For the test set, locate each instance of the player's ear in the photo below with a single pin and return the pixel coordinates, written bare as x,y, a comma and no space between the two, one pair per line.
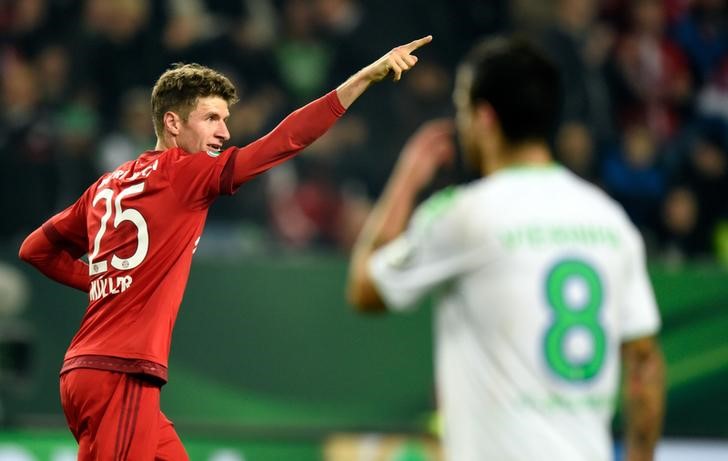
172,122
486,120
485,116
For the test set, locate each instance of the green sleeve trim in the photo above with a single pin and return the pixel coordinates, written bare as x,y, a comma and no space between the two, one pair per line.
432,208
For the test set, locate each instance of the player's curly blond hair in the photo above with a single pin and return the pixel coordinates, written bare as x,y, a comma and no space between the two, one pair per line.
179,87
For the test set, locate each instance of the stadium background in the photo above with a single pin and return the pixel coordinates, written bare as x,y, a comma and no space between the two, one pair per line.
268,362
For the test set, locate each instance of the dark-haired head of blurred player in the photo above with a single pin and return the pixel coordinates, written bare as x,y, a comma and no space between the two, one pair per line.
507,100
539,278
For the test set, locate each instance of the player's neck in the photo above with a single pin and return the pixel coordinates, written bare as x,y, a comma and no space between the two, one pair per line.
164,144
530,154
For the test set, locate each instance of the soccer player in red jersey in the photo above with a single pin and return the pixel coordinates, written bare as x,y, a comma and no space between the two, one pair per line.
140,225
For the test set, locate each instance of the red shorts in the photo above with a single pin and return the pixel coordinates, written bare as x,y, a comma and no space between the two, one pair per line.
115,416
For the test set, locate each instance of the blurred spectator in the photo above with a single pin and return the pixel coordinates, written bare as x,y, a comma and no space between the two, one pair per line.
614,11
134,133
27,147
579,46
532,14
78,128
575,150
678,233
653,71
426,95
28,27
702,34
188,30
116,51
346,28
288,221
355,210
248,45
713,98
53,65
303,60
703,170
632,175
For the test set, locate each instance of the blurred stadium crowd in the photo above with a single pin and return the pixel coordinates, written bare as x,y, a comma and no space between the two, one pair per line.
645,112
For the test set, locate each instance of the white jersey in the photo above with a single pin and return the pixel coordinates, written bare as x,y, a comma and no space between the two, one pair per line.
538,278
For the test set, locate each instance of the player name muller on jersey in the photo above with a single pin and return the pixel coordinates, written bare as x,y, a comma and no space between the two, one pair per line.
104,287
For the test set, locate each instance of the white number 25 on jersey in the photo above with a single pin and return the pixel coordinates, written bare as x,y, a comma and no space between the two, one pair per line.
120,215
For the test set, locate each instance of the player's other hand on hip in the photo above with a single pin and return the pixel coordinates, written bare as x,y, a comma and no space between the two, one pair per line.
398,61
431,147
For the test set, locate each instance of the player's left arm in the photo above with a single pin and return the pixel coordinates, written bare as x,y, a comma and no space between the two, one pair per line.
428,149
644,397
303,126
56,247
54,261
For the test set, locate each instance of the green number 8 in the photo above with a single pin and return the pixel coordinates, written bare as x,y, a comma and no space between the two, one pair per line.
569,314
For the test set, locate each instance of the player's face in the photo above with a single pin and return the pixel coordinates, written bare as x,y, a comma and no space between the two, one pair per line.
205,128
464,118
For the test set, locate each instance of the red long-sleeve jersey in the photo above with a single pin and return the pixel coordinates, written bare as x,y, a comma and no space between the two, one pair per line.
140,226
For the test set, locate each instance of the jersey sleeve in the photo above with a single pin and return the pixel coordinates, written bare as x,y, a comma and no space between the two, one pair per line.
639,313
436,247
197,179
67,230
296,132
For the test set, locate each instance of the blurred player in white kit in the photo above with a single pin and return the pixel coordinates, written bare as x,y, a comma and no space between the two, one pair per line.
542,294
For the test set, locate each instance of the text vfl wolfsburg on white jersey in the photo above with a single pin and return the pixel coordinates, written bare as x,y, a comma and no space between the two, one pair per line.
538,278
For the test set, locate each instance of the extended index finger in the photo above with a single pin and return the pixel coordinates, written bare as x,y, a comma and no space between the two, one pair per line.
413,45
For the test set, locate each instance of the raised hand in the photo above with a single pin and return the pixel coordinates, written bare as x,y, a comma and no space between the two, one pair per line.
431,147
397,61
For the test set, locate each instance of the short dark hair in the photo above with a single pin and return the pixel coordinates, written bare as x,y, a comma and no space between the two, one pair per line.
521,85
179,87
